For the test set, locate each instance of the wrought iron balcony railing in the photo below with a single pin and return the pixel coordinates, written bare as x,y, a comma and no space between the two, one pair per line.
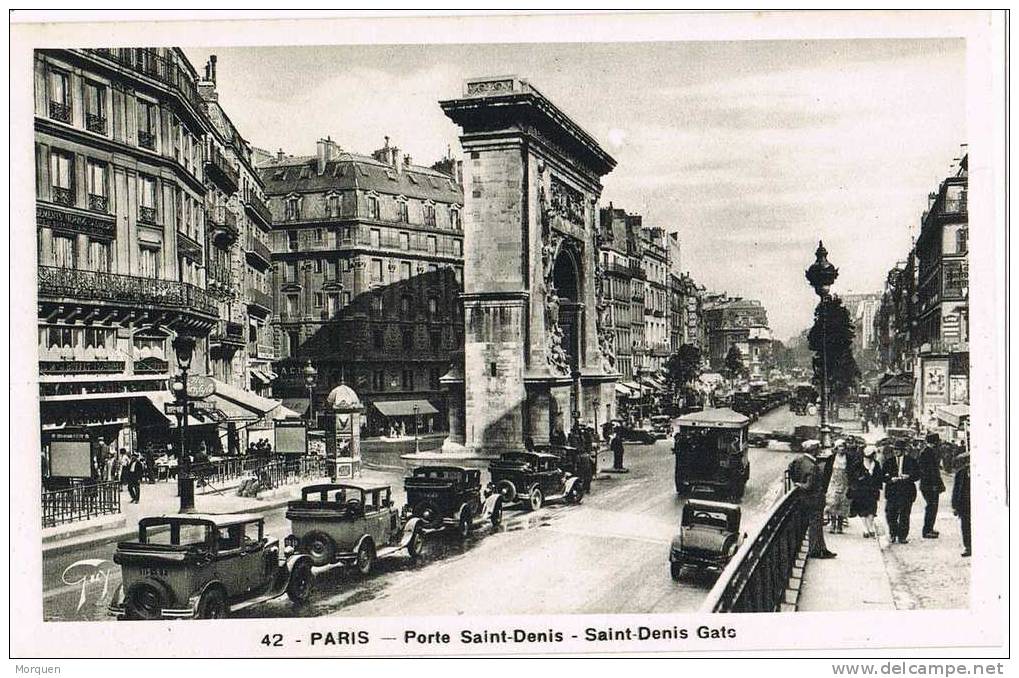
63,196
219,170
98,203
70,283
151,366
147,140
259,249
259,298
223,224
257,207
62,367
149,62
95,123
59,111
147,215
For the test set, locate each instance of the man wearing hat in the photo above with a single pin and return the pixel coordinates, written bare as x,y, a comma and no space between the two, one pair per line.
960,502
133,477
900,474
931,484
807,472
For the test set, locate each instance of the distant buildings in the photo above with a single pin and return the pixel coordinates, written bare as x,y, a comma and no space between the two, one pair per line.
735,321
862,309
368,267
922,324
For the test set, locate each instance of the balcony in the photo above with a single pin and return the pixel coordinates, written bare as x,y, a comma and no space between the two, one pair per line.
59,111
257,208
229,334
260,300
148,62
258,251
72,367
223,226
147,140
62,196
134,293
99,203
219,171
95,123
148,215
151,366
218,276
188,247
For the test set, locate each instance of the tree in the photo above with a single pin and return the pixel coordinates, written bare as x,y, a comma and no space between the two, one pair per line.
734,367
831,340
681,368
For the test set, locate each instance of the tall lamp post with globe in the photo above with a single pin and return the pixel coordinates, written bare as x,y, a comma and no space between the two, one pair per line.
310,379
821,275
183,348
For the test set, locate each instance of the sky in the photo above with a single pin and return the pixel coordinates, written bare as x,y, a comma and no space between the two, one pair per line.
751,150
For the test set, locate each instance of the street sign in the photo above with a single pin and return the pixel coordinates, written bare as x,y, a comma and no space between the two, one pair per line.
200,386
174,409
177,409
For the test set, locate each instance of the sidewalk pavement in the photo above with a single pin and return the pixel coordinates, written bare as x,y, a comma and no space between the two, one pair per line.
875,574
161,498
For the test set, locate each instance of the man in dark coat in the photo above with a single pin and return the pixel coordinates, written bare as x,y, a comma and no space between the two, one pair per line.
931,484
960,503
900,473
133,477
807,472
617,451
558,437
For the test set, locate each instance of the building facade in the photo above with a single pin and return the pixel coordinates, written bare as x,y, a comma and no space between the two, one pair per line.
120,215
617,231
238,257
657,317
732,321
367,255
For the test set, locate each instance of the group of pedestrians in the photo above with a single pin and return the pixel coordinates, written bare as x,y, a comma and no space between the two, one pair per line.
118,465
859,478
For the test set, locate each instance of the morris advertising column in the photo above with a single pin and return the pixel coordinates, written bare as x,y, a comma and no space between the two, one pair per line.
532,178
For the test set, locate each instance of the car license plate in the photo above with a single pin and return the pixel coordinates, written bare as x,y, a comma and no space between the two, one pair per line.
702,488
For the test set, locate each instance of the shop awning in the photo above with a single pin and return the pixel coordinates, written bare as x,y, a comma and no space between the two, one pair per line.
247,400
404,408
953,415
631,385
896,385
284,412
623,390
159,399
297,405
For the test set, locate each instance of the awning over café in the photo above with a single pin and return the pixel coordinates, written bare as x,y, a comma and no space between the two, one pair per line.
404,408
953,415
296,405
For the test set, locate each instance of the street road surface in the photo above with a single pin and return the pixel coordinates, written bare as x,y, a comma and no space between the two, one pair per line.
608,555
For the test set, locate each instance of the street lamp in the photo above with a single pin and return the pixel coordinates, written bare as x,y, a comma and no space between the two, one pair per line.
183,348
821,275
417,444
597,404
310,378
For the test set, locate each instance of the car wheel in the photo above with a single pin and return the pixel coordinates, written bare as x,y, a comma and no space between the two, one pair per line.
576,494
301,580
682,489
463,528
417,542
497,515
507,491
675,569
212,605
320,547
145,600
366,557
535,500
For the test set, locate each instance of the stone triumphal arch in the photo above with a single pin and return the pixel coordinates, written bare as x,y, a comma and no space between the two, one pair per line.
534,356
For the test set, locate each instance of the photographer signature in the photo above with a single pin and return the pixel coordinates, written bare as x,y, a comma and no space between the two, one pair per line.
86,573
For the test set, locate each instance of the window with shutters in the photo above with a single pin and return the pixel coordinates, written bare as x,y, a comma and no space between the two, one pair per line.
63,251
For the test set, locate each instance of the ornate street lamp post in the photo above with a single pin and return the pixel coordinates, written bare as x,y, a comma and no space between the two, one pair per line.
417,444
821,275
183,348
310,378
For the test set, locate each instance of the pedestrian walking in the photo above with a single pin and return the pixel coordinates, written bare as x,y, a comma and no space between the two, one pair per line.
584,470
960,502
931,484
865,489
617,452
837,497
807,473
122,461
133,473
900,475
103,454
558,437
150,464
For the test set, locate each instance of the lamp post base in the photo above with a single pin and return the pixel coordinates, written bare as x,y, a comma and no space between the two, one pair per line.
186,492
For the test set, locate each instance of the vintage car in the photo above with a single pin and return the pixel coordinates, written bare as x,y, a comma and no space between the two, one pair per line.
351,525
444,497
532,478
709,535
661,426
636,434
711,453
200,566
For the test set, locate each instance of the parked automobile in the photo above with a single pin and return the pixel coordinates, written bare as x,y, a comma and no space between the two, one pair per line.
636,434
202,566
711,452
443,497
709,536
351,525
532,478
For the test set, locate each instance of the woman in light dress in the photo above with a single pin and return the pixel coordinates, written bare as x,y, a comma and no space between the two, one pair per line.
837,498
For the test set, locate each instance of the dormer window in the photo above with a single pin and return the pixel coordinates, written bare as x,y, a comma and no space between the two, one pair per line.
429,211
373,207
401,207
292,208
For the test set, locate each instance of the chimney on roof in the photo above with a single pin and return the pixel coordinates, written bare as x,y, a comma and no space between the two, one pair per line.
280,155
211,69
327,150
